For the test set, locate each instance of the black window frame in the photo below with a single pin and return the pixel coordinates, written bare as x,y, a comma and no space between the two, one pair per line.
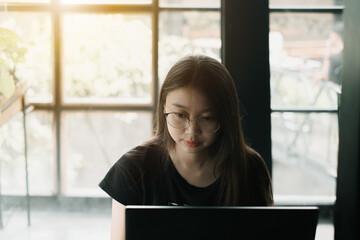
246,55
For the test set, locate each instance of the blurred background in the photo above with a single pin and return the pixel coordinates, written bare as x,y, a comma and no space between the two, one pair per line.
92,70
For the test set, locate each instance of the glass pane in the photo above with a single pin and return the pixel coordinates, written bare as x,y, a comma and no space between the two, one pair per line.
304,149
305,59
107,1
183,33
41,152
306,2
12,157
31,59
190,3
93,142
41,162
107,58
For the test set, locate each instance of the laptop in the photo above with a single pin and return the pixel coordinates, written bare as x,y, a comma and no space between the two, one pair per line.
188,223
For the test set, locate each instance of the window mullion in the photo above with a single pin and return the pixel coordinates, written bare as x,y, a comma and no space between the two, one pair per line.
57,91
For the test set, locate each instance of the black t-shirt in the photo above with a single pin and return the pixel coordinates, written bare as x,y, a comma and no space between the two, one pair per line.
150,178
147,177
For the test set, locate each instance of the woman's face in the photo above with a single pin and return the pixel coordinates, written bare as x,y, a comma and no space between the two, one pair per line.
189,102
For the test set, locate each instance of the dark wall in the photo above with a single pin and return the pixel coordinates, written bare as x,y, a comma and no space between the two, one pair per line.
347,210
245,26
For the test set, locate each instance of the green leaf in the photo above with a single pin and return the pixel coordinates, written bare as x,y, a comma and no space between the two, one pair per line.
8,38
7,83
11,45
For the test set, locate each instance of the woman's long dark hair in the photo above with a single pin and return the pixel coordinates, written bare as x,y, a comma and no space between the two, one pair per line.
230,151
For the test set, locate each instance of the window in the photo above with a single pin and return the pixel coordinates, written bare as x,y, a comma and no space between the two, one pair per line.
305,45
91,64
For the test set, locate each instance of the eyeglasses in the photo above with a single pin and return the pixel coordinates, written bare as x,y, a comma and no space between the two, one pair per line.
181,121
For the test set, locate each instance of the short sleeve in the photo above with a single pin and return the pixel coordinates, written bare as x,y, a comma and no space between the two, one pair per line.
123,182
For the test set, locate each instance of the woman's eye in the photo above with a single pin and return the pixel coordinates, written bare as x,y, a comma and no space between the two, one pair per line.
207,118
180,115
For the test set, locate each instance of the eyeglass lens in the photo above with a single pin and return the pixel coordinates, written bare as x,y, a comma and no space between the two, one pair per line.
180,121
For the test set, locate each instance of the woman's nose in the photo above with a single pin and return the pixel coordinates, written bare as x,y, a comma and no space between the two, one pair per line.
192,127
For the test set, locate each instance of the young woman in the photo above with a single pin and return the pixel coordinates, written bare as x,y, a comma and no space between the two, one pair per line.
198,156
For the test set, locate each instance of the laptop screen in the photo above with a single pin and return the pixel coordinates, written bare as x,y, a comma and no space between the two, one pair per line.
175,222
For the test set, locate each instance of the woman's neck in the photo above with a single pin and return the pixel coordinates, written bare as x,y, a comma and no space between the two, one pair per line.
196,169
190,160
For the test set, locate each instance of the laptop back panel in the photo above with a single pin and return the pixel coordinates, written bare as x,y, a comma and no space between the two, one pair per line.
163,222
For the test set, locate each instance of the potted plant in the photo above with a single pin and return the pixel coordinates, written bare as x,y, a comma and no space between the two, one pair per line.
12,52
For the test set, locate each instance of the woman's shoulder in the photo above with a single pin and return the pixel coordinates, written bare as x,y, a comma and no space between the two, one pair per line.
256,162
253,155
135,169
260,179
142,156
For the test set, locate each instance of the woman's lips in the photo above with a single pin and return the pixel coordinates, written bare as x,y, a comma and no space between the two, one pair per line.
191,144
